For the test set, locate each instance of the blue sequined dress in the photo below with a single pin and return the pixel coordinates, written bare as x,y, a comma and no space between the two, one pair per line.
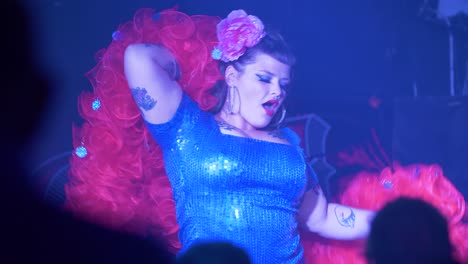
242,190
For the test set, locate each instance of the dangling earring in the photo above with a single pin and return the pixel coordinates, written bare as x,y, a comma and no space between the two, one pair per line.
231,100
228,102
283,116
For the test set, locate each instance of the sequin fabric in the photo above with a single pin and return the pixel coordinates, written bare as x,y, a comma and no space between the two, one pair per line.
242,190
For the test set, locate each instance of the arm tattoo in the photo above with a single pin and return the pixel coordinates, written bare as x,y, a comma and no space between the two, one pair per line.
345,216
277,133
142,99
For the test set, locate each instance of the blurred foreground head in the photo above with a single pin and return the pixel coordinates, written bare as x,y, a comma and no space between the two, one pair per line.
26,90
409,231
33,231
214,253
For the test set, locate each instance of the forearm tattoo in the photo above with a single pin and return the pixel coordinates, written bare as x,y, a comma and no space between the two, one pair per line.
143,99
345,216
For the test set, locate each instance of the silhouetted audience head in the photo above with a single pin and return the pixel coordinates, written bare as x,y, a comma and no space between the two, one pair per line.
214,253
26,88
32,231
409,230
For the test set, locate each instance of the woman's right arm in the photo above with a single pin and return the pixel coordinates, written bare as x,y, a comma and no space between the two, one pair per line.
152,73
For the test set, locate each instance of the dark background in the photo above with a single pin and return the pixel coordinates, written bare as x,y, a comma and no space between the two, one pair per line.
347,52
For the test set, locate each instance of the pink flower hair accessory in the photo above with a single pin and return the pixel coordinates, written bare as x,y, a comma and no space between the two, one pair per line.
236,33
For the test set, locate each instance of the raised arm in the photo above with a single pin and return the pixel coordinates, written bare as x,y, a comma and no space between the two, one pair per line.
152,71
333,220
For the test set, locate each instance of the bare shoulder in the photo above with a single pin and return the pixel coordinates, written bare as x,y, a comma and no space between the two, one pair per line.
277,135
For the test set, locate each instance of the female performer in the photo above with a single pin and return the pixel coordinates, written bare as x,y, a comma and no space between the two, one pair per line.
235,173
183,140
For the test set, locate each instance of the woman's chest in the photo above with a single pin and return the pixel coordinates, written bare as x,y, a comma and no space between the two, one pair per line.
242,164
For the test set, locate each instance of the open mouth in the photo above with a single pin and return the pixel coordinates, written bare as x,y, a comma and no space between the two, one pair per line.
270,107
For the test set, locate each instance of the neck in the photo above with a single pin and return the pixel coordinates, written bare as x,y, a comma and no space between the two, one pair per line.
229,125
235,120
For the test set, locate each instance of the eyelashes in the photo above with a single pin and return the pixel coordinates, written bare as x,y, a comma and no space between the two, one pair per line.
263,78
267,79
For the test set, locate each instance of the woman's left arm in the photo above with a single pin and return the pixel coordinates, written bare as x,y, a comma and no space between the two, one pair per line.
333,220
